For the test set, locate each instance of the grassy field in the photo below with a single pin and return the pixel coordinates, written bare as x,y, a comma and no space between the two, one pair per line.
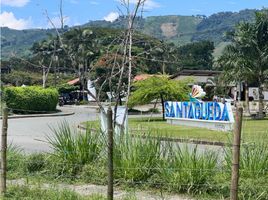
252,130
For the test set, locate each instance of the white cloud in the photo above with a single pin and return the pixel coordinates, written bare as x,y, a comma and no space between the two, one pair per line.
57,22
15,3
231,2
112,16
94,3
148,4
195,10
8,19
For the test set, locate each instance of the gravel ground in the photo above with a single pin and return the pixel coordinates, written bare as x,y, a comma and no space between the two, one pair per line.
90,189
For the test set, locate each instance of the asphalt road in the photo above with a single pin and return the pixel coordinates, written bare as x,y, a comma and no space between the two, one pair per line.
29,133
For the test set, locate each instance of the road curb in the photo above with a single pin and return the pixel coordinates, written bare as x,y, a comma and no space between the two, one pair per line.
40,115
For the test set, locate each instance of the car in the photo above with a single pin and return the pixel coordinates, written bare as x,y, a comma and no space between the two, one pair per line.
226,99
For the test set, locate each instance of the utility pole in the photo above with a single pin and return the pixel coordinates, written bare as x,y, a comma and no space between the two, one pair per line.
236,153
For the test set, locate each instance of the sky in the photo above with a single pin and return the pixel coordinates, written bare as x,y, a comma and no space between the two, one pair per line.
25,14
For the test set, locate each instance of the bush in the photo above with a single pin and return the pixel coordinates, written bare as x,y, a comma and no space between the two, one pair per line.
66,88
75,149
35,163
31,99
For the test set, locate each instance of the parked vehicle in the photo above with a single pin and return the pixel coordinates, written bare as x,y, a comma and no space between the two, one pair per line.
226,99
61,101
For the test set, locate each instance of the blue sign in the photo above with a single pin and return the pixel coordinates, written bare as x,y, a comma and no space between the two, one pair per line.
198,110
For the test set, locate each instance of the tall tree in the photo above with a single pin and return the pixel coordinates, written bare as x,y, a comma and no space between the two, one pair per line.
247,57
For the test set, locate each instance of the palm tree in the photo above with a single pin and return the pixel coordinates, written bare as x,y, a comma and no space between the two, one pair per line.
246,59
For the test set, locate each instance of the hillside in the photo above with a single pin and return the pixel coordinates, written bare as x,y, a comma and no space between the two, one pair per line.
177,29
20,41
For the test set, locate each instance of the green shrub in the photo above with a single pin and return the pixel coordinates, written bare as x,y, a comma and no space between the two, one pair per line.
35,163
15,162
66,88
136,159
75,149
31,99
187,170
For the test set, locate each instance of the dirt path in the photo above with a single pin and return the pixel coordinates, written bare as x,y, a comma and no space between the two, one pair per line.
90,189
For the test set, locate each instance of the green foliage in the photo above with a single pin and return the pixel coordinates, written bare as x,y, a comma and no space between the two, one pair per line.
158,87
20,41
66,88
253,170
75,149
179,30
35,162
214,27
247,57
186,170
197,55
18,78
31,99
15,164
146,162
130,160
32,193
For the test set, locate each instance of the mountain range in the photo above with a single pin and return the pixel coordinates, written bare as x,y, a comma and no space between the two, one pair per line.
175,29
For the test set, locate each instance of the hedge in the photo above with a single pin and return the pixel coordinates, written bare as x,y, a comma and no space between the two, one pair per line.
31,99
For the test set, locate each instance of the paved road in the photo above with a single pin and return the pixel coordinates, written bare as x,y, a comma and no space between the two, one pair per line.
27,132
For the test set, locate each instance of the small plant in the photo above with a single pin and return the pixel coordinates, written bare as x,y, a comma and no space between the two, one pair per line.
15,161
187,170
75,148
35,163
136,159
33,193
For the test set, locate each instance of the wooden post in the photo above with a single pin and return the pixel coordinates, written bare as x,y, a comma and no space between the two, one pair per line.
236,154
110,191
4,152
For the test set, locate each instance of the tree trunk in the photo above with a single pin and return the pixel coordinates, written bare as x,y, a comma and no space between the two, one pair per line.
163,106
261,97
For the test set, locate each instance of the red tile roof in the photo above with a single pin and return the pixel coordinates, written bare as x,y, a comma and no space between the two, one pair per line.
73,82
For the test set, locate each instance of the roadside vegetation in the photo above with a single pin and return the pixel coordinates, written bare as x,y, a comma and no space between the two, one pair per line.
252,130
31,99
80,157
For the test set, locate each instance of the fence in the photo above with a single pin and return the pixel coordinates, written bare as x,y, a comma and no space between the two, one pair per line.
142,162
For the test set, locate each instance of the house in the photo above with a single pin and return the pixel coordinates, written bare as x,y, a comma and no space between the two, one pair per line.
199,76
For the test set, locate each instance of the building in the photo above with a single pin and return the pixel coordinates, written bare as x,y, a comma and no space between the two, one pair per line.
199,76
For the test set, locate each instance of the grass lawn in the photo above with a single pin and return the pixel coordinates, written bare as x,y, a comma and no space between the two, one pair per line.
252,130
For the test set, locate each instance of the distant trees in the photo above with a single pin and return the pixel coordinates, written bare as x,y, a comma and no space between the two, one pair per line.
197,55
246,59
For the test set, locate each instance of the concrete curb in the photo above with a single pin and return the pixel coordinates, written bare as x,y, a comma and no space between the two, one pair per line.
40,115
179,140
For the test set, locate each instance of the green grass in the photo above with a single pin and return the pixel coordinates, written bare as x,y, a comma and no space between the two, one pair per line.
33,193
252,130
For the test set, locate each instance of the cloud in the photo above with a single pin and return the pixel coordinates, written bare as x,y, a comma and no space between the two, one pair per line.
195,10
112,16
15,3
94,3
148,5
57,22
231,2
9,20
